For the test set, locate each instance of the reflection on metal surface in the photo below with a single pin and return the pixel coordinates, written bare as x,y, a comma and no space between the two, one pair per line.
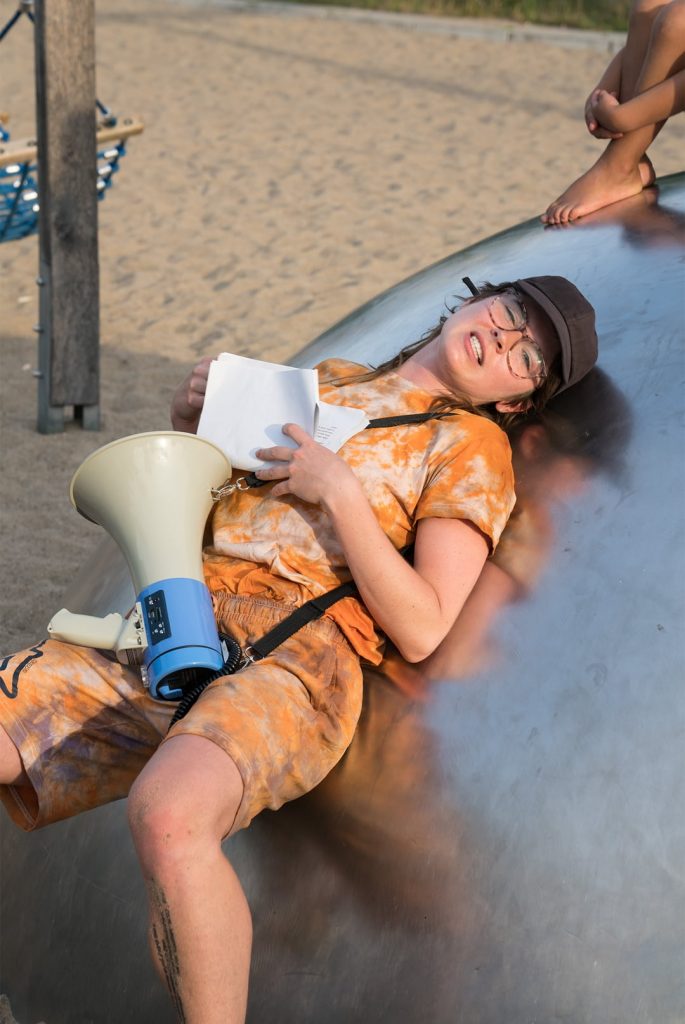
582,434
503,841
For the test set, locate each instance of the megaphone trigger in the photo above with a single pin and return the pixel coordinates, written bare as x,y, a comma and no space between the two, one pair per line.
110,633
86,630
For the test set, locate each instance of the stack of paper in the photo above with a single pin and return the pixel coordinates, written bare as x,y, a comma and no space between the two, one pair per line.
248,401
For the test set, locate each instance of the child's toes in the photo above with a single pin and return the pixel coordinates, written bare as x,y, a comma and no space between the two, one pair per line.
550,214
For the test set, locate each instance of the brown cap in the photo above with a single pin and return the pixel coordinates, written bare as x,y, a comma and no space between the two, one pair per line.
574,321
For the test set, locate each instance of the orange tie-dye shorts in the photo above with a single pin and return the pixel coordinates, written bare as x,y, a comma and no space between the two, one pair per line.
85,727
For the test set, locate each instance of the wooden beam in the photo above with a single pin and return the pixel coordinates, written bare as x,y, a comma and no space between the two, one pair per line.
26,150
68,351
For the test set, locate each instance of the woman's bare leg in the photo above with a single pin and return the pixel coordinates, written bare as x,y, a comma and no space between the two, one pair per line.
11,768
180,807
182,804
653,52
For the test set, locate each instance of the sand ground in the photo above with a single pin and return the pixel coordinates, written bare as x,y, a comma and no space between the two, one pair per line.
292,167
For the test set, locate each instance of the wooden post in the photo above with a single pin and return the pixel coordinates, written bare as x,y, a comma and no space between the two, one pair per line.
68,350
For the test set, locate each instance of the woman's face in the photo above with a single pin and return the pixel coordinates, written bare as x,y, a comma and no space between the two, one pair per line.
471,354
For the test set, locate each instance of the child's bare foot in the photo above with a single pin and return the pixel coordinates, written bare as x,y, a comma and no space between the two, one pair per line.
627,213
647,172
602,185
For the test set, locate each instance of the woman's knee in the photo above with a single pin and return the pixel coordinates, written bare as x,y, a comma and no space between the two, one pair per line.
155,823
170,828
176,811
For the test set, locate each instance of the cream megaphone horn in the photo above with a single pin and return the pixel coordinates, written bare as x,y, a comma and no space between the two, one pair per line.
152,493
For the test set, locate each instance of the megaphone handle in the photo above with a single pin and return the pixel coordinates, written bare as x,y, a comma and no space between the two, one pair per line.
86,630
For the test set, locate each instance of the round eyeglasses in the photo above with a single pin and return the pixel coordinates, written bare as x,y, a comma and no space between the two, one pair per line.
524,358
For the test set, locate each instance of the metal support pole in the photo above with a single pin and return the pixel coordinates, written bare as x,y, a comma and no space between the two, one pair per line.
68,349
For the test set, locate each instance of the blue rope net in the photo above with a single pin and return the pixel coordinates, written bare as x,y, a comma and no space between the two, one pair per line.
18,198
19,192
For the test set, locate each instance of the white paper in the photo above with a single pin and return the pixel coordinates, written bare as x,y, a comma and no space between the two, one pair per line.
248,400
336,424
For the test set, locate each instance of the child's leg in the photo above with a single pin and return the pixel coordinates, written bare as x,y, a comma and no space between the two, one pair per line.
665,54
650,56
610,82
643,18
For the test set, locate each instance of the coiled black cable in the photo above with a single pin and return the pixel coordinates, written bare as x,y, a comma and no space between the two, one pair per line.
232,657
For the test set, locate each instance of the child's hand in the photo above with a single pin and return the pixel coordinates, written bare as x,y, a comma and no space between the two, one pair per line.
189,398
594,124
604,109
310,472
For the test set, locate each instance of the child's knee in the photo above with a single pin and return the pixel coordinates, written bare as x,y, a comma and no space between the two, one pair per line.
644,9
670,24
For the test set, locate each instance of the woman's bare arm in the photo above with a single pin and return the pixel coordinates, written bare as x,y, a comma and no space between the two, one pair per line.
415,606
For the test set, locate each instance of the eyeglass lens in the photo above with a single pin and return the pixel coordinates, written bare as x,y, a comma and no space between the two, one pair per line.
508,313
525,358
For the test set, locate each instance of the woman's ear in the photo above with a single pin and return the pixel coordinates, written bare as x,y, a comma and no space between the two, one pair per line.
514,405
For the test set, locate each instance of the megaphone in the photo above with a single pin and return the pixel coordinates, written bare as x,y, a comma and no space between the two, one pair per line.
152,492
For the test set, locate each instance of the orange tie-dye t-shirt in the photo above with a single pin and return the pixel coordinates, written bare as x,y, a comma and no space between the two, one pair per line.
286,550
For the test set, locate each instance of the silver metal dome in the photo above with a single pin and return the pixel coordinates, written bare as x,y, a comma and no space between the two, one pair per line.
504,841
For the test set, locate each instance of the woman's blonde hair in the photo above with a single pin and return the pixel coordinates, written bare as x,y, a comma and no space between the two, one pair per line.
536,401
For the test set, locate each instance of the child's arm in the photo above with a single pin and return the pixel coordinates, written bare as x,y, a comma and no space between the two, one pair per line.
609,82
652,105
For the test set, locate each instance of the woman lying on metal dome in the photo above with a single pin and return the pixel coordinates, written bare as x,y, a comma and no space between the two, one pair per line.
78,729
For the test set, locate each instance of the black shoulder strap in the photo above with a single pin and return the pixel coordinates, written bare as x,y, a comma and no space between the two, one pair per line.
251,480
317,606
310,610
414,417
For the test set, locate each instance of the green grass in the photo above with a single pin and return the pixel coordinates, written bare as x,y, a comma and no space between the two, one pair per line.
597,14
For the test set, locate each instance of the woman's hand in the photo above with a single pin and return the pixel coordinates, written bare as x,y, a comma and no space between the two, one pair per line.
189,398
591,120
310,471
